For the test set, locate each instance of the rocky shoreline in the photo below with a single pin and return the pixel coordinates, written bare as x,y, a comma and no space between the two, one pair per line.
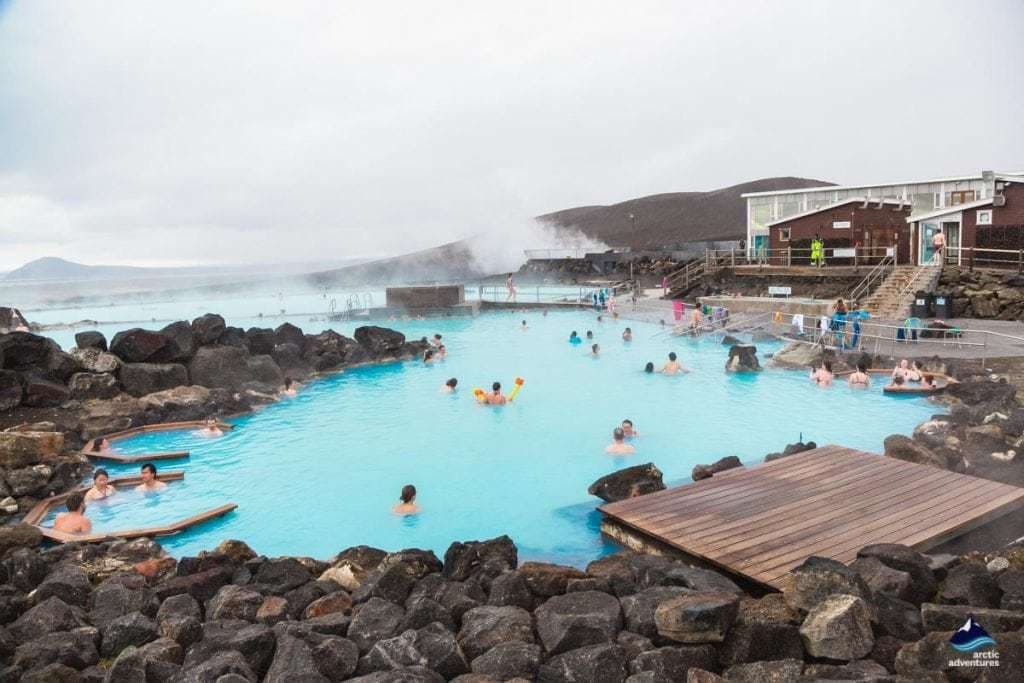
52,401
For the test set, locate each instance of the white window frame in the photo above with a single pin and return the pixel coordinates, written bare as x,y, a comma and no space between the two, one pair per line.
987,214
784,234
849,225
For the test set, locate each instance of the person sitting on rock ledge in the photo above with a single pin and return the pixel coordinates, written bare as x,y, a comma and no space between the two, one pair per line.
618,445
860,378
74,520
149,480
449,386
823,375
408,505
290,387
673,366
495,398
211,429
101,488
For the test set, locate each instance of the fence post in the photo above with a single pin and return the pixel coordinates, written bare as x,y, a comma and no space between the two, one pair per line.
971,267
732,257
1020,261
789,256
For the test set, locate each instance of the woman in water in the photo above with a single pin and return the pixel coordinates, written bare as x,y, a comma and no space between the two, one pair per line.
860,377
575,338
407,504
627,335
823,375
101,486
211,429
901,370
428,356
914,372
100,445
649,368
449,386
290,387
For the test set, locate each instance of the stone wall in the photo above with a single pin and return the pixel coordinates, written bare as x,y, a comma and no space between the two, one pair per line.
984,294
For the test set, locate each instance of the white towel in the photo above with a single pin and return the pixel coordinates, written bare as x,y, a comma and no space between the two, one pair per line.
798,323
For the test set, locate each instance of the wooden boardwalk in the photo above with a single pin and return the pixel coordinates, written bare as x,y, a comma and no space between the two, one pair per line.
763,521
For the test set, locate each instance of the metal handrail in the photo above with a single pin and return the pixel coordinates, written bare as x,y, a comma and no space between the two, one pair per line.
876,273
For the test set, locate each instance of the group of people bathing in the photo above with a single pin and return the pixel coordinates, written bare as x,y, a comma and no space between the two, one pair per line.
74,520
903,374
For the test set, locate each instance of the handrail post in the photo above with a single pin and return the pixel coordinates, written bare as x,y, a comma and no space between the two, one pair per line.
1020,261
789,256
732,257
971,266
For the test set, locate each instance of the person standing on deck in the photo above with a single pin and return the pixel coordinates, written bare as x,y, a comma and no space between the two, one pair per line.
938,242
511,286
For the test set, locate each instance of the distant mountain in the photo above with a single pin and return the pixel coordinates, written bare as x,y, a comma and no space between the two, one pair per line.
51,268
666,220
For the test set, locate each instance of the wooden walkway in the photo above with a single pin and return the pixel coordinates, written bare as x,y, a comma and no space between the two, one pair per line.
763,521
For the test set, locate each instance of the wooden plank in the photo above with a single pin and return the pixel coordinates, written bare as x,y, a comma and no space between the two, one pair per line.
128,459
42,508
165,530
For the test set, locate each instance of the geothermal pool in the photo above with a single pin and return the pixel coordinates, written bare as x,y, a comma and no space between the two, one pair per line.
318,473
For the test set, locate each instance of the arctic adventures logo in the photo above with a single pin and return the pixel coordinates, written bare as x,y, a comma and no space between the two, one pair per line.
971,637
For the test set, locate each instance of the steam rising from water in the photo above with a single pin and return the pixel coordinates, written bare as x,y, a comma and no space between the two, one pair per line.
501,249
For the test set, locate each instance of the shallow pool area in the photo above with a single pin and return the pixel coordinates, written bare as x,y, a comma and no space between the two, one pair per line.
320,472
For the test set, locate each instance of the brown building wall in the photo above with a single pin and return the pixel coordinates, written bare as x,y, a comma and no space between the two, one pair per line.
1012,213
867,227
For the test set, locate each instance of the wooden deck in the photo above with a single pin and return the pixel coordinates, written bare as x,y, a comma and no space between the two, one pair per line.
136,458
763,521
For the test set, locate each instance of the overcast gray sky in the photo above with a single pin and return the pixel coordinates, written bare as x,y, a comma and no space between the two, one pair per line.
182,132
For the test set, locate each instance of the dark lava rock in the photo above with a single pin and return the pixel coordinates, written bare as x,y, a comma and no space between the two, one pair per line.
639,608
286,333
628,483
567,622
202,585
704,471
53,614
547,580
467,560
904,448
594,663
374,620
952,617
742,358
391,582
233,336
25,569
819,577
697,617
668,664
432,646
897,618
255,642
486,627
778,671
970,584
883,579
261,339
509,660
91,339
759,641
86,385
510,589
137,345
456,597
23,350
10,390
218,668
379,341
112,600
181,346
207,329
984,392
234,602
131,629
42,392
654,570
423,611
76,648
282,575
140,379
905,559
223,367
68,583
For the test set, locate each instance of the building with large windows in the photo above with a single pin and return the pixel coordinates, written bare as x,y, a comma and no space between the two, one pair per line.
926,206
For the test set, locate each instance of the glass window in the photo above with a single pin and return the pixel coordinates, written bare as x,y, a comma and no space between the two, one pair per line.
985,217
784,234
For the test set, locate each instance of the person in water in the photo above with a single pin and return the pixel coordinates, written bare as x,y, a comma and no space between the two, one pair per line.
101,445
211,429
428,356
897,381
618,445
449,386
594,350
496,398
149,479
629,430
649,368
101,486
590,335
575,338
823,375
627,335
914,373
442,352
860,377
523,327
673,366
407,502
290,387
435,340
901,370
74,520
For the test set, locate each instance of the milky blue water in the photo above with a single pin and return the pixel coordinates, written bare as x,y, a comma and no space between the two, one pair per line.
320,472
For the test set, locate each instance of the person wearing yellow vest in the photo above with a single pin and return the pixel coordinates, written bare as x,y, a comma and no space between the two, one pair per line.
817,251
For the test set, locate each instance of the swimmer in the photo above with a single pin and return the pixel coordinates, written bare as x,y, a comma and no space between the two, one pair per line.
575,338
695,319
428,356
74,520
629,430
449,386
290,387
435,340
523,327
914,373
101,487
619,445
627,335
649,368
823,375
495,398
100,445
211,429
594,351
901,370
897,382
600,319
545,313
860,378
408,505
149,480
590,335
442,352
673,366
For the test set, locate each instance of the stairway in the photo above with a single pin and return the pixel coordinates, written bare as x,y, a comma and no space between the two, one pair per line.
895,296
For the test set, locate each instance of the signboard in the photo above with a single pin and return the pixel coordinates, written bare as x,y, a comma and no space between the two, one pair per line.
840,225
848,252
